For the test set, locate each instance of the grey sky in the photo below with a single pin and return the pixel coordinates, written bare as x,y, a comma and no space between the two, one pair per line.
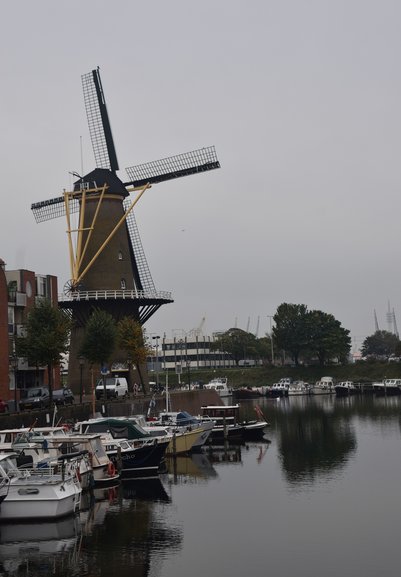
302,101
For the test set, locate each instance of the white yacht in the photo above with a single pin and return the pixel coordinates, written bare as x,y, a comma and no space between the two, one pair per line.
36,493
219,385
387,387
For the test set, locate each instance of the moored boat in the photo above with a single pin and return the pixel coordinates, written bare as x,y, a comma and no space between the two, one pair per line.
323,387
299,388
387,387
220,385
36,493
247,393
345,388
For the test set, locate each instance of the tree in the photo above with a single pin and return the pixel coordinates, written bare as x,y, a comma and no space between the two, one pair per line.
290,332
328,339
264,349
380,344
130,339
47,338
99,340
238,343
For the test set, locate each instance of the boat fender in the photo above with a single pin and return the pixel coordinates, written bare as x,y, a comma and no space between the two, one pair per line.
111,470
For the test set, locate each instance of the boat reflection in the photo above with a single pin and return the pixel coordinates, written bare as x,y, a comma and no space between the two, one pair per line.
32,549
145,490
196,467
225,454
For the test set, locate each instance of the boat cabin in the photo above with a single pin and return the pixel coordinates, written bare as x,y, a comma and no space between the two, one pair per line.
221,413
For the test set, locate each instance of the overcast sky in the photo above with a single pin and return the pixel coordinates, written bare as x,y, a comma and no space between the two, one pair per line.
302,100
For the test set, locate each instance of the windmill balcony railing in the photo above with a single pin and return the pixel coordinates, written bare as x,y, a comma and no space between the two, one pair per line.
94,295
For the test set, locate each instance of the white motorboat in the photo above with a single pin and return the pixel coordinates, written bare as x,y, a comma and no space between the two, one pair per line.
219,384
299,388
345,388
103,470
36,493
387,387
323,387
182,421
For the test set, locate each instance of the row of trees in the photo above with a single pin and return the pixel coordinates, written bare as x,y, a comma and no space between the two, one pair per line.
47,333
304,335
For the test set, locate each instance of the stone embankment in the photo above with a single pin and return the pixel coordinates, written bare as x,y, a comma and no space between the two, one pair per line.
190,401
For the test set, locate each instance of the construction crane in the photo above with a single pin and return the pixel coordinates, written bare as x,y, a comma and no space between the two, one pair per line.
196,332
257,327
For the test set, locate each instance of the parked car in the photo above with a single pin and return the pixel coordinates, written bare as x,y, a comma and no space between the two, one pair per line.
37,398
3,406
63,396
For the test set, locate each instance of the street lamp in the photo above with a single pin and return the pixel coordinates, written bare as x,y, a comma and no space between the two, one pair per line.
189,374
271,337
14,361
81,361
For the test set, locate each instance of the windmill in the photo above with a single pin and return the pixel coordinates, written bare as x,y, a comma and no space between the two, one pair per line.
108,266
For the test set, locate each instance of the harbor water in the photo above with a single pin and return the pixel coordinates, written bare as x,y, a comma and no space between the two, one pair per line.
320,495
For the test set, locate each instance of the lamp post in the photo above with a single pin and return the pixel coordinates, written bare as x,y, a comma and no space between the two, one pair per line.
81,361
271,337
189,374
14,361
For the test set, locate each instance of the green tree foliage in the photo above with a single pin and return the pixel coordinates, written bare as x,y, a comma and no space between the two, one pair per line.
238,343
130,339
290,332
99,339
382,344
310,334
328,339
47,338
264,349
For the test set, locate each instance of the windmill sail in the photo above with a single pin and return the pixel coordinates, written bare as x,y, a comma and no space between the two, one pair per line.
145,278
172,167
98,121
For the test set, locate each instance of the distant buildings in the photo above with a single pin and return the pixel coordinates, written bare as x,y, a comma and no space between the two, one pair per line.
188,353
19,290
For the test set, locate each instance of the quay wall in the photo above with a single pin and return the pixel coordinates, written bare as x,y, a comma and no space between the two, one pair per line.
190,401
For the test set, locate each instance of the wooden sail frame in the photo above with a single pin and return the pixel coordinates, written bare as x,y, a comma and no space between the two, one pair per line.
77,256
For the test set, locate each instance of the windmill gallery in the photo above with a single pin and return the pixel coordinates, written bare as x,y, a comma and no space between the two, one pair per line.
108,267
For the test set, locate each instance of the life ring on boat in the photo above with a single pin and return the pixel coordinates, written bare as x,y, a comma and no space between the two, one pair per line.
111,470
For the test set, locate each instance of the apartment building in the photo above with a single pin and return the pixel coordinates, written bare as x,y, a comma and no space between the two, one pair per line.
19,290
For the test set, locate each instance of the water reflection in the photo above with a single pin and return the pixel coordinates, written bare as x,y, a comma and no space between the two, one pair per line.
38,548
315,441
121,527
195,468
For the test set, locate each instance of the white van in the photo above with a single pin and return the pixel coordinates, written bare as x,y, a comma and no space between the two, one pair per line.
116,387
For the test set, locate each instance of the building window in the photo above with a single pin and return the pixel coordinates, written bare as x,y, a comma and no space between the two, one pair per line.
120,255
11,320
123,285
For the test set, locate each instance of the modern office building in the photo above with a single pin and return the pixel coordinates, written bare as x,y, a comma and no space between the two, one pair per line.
188,352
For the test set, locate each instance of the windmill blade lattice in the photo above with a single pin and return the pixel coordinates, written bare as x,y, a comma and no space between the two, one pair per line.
53,208
98,121
172,167
140,258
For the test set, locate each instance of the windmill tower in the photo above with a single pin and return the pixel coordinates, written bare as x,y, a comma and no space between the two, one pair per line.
108,266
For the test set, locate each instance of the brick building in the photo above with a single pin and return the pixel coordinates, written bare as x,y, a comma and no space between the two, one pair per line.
19,290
